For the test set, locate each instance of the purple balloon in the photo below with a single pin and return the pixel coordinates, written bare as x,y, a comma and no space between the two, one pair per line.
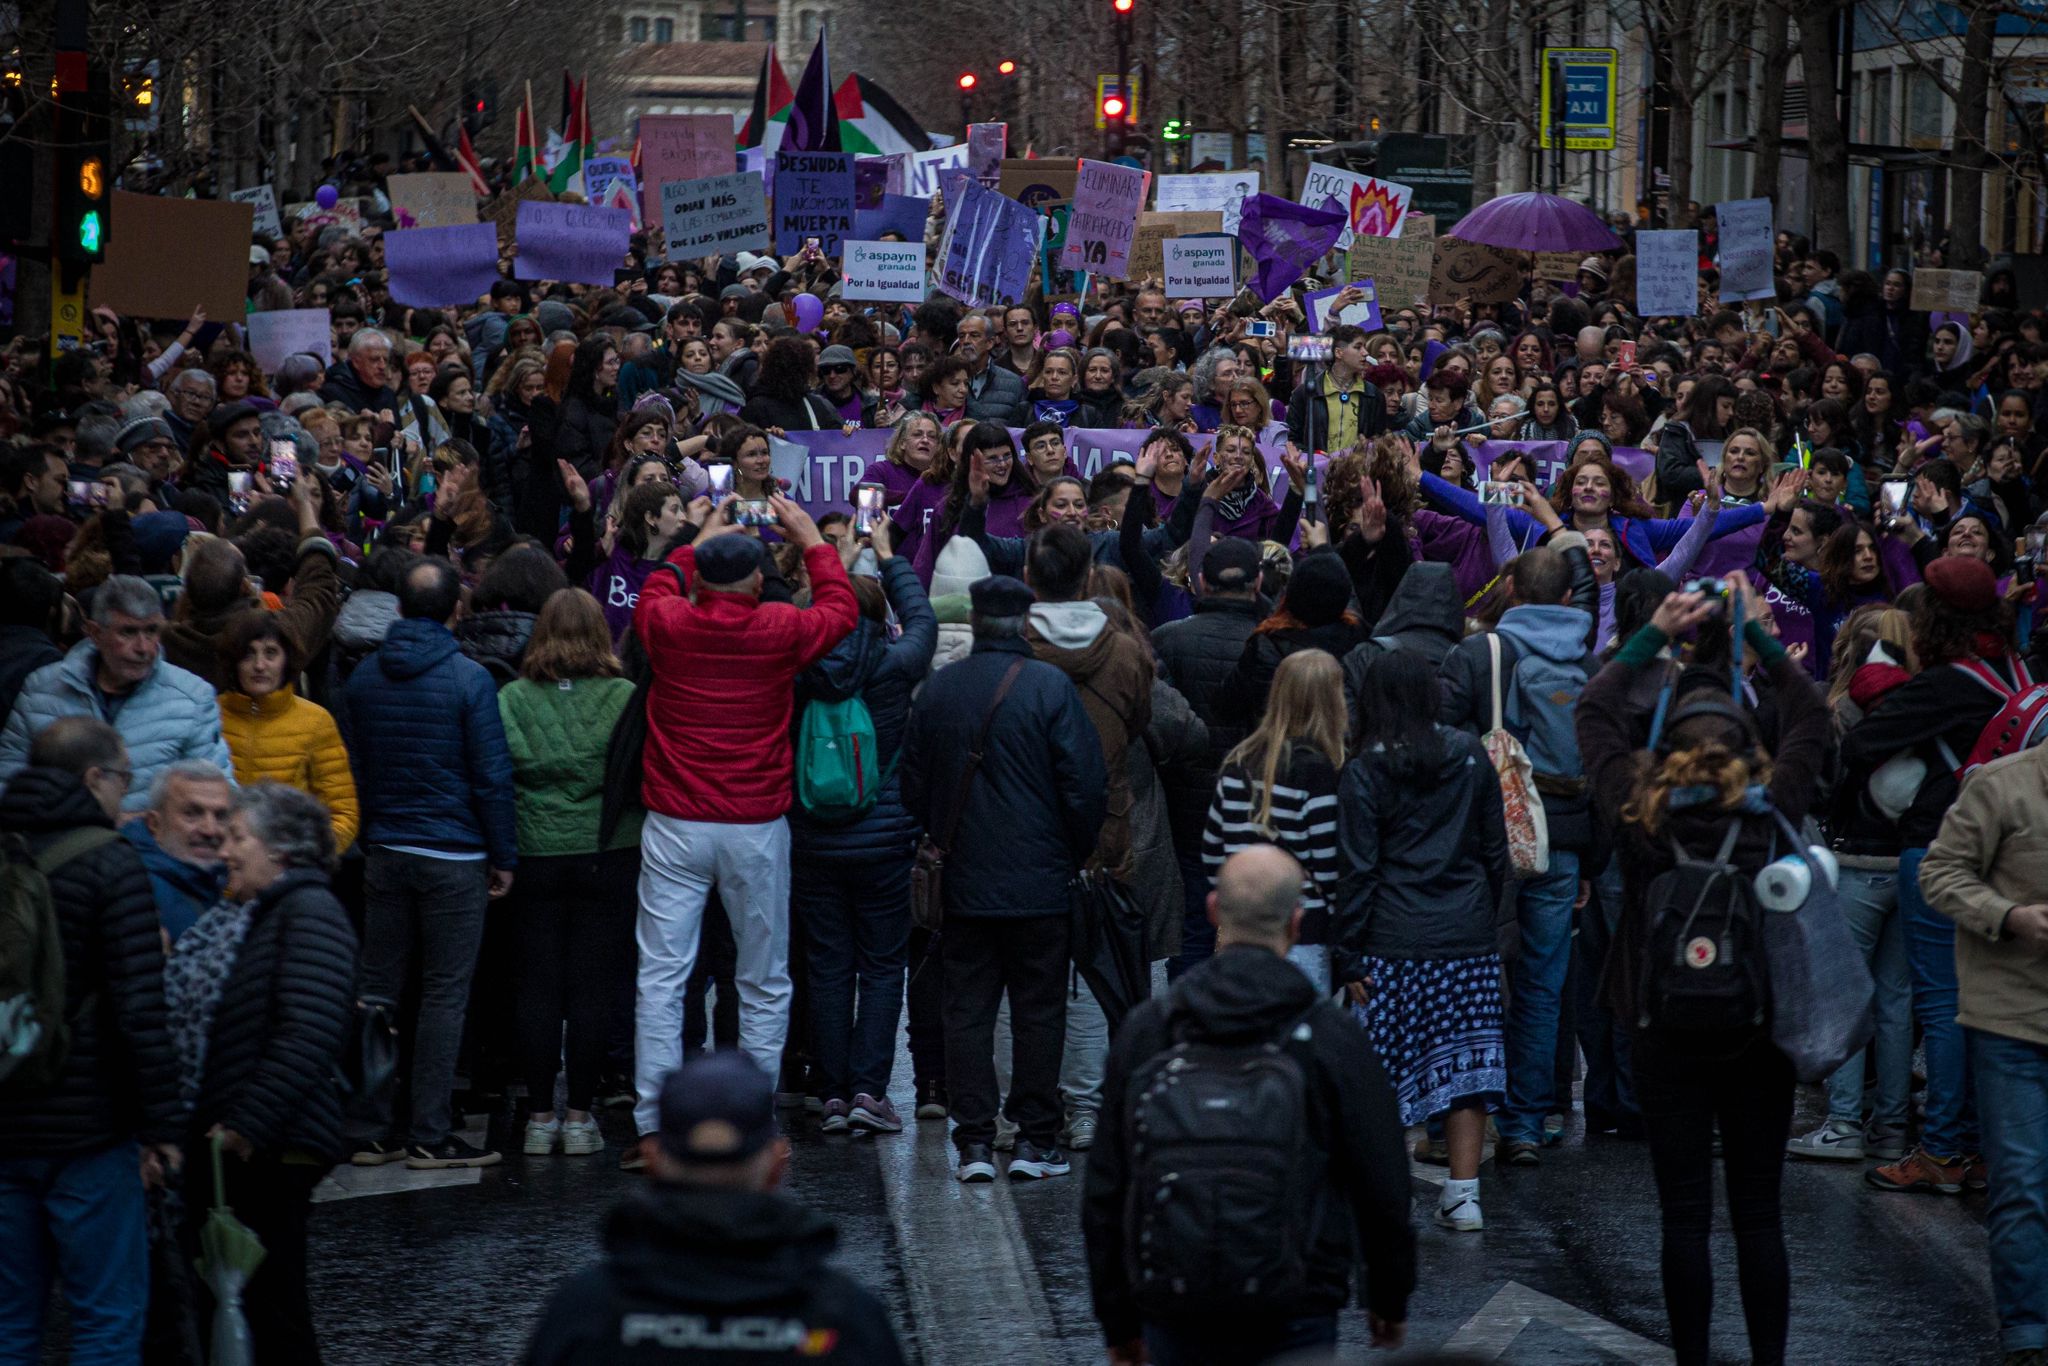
810,311
326,196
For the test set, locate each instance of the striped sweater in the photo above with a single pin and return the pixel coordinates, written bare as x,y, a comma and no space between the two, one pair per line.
1303,822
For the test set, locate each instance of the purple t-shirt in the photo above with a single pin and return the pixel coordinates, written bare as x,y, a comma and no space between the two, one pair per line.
893,477
616,585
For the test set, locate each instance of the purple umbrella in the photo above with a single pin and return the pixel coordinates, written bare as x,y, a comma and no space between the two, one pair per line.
1535,222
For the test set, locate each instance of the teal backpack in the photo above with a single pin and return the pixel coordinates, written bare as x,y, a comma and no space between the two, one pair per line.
838,771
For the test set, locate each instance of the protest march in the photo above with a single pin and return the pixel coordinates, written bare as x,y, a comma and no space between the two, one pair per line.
715,744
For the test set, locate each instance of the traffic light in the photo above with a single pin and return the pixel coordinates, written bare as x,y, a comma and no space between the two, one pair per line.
82,154
967,80
1113,108
1176,130
1006,68
1122,7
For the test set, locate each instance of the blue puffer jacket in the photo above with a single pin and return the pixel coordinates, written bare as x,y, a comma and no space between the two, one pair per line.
170,715
883,673
432,768
184,891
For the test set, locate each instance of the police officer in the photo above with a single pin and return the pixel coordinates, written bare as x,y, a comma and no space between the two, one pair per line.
710,1264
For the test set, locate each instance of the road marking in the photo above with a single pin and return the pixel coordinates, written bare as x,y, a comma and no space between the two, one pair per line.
1488,1334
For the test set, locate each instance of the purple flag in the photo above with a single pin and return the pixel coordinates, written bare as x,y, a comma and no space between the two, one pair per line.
1285,238
813,121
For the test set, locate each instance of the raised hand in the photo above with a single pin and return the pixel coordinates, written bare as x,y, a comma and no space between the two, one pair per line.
573,485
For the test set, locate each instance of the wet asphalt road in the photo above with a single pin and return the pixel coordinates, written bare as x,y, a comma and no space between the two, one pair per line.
1566,1271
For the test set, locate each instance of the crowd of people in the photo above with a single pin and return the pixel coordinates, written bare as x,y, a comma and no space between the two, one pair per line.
489,679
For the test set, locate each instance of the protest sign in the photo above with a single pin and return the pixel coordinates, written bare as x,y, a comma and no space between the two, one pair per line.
458,264
1946,290
886,272
285,332
574,243
166,255
1365,313
1055,281
1560,266
1373,207
874,177
346,213
1748,247
601,173
986,255
813,198
1475,272
720,213
1107,201
1400,266
1224,193
1548,457
432,199
896,213
503,212
1036,182
263,200
681,147
1148,243
1668,273
1200,267
927,169
986,143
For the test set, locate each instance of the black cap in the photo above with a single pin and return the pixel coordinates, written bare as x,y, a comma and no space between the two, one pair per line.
728,559
999,595
719,1107
1232,565
228,414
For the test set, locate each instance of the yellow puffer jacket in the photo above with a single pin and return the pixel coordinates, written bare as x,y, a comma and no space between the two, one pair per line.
283,738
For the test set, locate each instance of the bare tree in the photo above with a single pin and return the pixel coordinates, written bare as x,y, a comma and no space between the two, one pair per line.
1827,140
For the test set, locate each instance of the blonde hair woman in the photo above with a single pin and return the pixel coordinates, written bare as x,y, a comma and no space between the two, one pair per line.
1279,786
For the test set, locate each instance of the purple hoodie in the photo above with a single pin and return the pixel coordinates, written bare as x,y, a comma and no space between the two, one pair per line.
616,585
893,477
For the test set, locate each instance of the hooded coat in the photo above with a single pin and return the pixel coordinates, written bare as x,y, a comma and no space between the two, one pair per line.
697,1274
1115,680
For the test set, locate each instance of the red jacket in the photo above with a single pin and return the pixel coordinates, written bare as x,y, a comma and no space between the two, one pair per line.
724,685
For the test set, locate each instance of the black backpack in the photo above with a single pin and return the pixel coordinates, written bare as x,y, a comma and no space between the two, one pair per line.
1703,958
1226,1192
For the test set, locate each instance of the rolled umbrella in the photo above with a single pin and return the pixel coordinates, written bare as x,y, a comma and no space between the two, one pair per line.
1535,222
1108,944
229,1253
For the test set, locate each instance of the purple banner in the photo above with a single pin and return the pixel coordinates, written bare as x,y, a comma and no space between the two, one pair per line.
1548,457
990,240
579,244
439,267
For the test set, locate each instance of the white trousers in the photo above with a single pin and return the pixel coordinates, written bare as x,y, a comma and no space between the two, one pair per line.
680,862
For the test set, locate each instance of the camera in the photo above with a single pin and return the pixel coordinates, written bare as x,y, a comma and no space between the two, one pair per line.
1261,327
1713,588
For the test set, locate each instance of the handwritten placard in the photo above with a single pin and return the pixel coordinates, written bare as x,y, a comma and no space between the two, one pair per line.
575,243
432,199
681,147
1668,273
1224,193
1374,207
439,267
986,143
813,198
1475,272
1400,266
1107,201
286,332
1748,246
263,200
1155,230
1200,267
720,213
1947,291
885,272
986,255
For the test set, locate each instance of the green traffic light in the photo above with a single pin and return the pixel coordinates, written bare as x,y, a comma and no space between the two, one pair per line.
1173,131
89,230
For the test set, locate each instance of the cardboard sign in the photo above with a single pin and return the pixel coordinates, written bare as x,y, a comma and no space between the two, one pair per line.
721,213
1668,273
1399,266
1148,243
1375,207
1748,249
346,213
263,200
503,212
574,243
1200,267
1475,272
813,198
1036,182
1365,313
432,199
986,255
1560,266
681,147
287,332
986,143
439,267
886,272
927,169
1955,291
1055,281
896,213
1224,193
166,255
1107,201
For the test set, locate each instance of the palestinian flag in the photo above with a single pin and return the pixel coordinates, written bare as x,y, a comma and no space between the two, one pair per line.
525,152
872,123
465,154
772,98
566,152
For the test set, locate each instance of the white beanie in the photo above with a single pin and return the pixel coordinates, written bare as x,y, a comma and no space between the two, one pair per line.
959,567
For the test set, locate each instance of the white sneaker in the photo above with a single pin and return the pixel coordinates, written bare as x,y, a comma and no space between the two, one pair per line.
1831,1142
581,1137
542,1138
1463,1217
1080,1135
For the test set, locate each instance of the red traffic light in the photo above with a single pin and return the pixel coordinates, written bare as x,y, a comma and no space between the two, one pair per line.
1122,6
1006,68
1112,106
967,80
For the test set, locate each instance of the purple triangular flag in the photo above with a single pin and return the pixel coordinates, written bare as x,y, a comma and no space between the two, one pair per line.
813,120
1285,238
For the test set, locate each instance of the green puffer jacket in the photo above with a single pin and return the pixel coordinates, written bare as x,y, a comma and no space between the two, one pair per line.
557,733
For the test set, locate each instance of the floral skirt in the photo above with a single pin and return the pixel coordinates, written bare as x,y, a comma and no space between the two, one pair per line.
1437,1026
